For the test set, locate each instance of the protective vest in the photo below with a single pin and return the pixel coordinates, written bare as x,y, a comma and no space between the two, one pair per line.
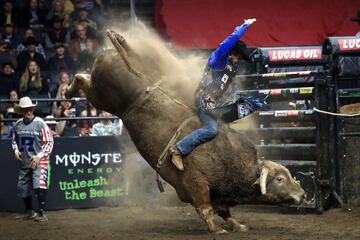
213,85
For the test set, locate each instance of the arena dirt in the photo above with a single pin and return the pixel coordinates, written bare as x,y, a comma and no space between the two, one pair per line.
265,222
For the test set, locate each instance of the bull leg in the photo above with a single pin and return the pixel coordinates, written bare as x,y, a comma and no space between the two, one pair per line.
81,81
202,203
235,226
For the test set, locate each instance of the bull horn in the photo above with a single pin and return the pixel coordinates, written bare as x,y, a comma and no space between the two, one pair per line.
263,176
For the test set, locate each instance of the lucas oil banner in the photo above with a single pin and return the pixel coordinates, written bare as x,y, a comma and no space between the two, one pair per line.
84,172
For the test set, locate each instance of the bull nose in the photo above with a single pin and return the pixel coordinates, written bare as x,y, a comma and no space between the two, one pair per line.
301,198
304,196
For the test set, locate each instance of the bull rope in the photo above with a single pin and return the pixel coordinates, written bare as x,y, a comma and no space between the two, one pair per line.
164,155
337,114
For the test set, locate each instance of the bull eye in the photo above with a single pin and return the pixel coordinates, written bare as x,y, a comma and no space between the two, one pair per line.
279,179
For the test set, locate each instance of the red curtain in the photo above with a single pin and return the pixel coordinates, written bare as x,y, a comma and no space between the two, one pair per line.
205,23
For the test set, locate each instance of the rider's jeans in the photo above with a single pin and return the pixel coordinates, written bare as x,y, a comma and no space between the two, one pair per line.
199,136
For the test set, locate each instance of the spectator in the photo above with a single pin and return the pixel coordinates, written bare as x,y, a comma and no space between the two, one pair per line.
84,15
78,44
57,34
9,37
38,47
90,32
86,125
7,53
8,15
49,120
31,83
5,130
75,15
87,57
30,54
10,112
13,95
67,127
60,95
57,11
61,91
33,17
8,80
63,78
61,62
106,127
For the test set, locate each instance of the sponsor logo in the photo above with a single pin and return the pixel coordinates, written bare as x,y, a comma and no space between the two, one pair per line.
275,92
293,90
281,113
294,54
93,159
266,91
267,113
308,90
349,44
293,113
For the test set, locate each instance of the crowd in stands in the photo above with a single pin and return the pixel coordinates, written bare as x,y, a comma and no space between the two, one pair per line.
43,43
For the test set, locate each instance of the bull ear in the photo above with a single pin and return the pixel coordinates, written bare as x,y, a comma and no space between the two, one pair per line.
263,176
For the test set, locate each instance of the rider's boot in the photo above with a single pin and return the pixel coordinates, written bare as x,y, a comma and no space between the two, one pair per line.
177,158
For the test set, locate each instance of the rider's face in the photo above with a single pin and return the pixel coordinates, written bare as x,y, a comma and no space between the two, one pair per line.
235,57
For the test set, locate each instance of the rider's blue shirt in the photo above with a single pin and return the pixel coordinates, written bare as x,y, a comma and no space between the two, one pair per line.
219,72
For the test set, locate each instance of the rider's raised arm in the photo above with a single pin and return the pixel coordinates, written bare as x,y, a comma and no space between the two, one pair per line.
219,57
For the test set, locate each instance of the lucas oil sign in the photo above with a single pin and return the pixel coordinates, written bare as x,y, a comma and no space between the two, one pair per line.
349,44
294,54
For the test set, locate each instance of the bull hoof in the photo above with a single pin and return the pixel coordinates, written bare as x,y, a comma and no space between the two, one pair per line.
240,228
235,226
221,232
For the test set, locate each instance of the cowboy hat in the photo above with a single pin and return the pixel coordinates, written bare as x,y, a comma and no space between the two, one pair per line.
25,102
50,120
357,18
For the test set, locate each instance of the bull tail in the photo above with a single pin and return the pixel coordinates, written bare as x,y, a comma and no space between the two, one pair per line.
123,48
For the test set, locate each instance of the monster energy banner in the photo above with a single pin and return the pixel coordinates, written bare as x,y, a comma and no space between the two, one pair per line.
85,172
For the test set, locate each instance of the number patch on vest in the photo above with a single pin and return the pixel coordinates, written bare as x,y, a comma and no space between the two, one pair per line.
225,78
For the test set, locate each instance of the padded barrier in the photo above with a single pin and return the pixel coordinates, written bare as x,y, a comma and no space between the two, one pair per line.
291,59
346,53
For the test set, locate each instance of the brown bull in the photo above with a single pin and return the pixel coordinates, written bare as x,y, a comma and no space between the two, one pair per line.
218,174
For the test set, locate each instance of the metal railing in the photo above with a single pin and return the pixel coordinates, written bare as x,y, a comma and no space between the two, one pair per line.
52,100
